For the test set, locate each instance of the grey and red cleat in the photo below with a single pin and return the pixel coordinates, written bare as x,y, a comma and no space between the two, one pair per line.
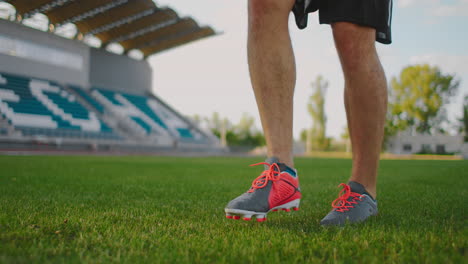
277,188
353,205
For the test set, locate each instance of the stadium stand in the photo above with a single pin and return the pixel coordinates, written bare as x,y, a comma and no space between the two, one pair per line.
87,98
150,114
3,125
40,107
65,86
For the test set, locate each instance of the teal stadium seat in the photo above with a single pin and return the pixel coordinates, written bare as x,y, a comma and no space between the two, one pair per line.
88,98
150,115
110,96
141,103
40,107
142,123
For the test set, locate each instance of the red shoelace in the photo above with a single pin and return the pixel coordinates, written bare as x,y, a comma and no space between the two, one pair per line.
341,203
272,174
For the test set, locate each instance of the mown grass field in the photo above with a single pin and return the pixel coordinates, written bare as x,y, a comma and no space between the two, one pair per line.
170,210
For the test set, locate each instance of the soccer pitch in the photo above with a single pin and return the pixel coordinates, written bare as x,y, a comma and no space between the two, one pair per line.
170,210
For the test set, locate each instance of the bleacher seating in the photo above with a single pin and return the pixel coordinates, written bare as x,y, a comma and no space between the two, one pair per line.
150,114
87,98
141,123
184,133
40,107
141,103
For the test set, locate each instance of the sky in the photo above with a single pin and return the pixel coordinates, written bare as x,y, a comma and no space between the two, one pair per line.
211,75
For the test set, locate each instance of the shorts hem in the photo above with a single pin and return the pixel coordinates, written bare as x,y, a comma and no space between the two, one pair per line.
329,21
347,19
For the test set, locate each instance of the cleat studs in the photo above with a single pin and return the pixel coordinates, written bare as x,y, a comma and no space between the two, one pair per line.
296,208
236,217
276,210
229,216
261,218
247,217
286,209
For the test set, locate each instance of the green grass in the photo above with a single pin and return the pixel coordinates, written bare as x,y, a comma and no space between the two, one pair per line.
170,210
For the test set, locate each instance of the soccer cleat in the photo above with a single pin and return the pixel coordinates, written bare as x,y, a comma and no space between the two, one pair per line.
277,188
353,205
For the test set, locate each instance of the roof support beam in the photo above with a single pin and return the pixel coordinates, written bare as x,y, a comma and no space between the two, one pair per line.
181,39
93,12
159,16
143,31
134,24
120,22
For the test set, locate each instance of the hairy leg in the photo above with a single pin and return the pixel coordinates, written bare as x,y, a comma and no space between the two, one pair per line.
365,99
273,73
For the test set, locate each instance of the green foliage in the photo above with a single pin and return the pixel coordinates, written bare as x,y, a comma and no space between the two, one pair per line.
242,134
327,143
347,139
170,210
465,118
345,133
417,99
197,119
316,138
216,122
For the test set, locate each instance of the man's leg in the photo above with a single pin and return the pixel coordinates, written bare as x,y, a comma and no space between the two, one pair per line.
365,99
366,105
273,73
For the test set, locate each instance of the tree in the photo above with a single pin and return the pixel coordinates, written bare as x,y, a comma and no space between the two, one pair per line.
197,119
242,134
246,125
316,136
465,118
346,137
219,126
417,100
247,133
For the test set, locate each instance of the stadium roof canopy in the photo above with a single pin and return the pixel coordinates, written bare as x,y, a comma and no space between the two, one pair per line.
134,24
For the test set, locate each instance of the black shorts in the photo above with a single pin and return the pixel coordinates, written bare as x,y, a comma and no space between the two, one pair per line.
371,13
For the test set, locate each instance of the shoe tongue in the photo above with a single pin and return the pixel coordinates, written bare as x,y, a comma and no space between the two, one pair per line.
358,188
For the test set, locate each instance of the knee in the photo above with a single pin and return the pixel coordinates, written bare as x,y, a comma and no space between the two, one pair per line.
263,9
355,45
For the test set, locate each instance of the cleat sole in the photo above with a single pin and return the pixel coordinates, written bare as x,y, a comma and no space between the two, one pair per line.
287,206
236,214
